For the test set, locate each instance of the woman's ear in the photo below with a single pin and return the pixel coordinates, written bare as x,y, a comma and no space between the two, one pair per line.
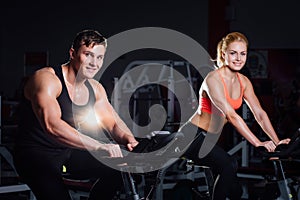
223,55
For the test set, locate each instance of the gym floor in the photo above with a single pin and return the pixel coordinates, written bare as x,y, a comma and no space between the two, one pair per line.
258,183
256,190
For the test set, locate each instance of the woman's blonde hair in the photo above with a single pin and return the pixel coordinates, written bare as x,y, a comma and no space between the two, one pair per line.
223,45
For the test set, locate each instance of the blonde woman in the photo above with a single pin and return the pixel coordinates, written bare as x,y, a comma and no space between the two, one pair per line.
220,95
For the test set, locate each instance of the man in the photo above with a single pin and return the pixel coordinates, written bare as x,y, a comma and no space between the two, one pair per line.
53,129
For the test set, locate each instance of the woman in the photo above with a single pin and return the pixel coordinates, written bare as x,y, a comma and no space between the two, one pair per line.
221,94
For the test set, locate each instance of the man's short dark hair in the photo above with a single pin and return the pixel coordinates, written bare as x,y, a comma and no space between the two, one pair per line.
88,37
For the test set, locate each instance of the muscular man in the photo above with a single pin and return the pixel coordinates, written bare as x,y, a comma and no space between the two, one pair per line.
53,130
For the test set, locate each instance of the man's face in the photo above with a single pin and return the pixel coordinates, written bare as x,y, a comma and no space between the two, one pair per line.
89,60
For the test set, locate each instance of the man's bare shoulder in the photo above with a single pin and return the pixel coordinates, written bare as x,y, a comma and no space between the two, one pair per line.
43,79
98,88
45,71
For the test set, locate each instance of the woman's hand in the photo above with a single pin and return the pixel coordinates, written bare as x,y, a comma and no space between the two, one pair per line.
269,145
284,141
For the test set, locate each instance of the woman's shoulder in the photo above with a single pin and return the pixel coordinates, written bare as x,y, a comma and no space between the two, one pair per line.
211,80
212,76
244,79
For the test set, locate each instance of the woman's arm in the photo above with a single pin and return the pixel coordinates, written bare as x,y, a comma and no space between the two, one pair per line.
215,91
259,114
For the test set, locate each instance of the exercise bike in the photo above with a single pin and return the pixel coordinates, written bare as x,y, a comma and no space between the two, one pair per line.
288,188
165,152
150,185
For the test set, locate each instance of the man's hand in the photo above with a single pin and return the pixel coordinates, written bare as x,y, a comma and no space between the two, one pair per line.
113,150
132,144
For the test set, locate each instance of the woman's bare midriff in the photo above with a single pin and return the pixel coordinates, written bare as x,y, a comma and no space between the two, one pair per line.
209,122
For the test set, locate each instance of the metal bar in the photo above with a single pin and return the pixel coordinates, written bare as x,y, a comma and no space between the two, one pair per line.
14,188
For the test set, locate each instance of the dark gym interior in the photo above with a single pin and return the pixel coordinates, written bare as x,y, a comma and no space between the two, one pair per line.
34,34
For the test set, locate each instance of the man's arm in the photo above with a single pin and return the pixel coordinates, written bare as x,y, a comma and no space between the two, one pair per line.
42,90
110,120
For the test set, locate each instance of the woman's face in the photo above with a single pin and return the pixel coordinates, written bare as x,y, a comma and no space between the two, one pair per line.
235,55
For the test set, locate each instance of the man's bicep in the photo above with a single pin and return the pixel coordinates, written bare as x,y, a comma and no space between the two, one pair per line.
46,108
43,98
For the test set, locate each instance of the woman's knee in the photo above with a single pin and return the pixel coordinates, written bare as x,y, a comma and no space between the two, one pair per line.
229,169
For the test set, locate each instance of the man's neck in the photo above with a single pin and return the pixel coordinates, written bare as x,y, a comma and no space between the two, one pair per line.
71,75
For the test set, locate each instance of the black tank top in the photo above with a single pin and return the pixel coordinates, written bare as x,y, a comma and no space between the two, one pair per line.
31,133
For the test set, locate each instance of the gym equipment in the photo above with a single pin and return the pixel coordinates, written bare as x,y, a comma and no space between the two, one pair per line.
6,154
285,153
170,177
145,89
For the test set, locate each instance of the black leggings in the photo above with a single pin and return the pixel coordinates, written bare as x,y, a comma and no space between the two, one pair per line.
219,161
41,170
